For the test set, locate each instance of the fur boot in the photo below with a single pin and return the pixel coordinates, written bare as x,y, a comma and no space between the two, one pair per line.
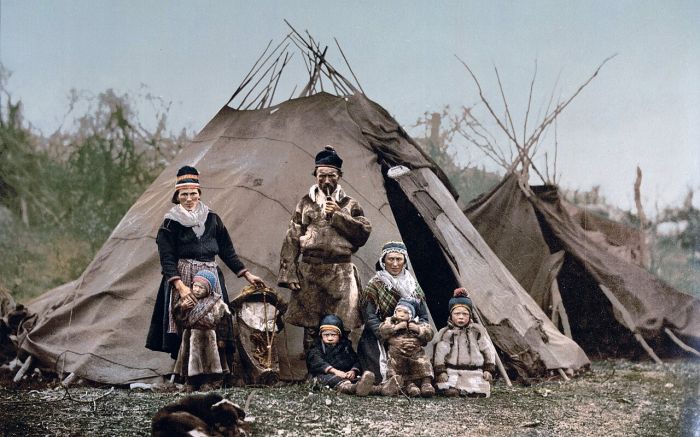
412,390
346,387
450,392
364,386
426,388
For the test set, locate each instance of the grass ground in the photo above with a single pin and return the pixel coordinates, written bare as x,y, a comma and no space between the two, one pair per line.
616,398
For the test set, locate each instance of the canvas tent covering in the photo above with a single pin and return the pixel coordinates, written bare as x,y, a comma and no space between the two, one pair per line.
255,165
608,296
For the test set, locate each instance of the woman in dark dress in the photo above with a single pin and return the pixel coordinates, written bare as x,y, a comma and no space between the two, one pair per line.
188,241
378,300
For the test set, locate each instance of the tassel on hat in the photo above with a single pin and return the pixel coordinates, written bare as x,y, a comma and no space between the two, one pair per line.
461,299
328,157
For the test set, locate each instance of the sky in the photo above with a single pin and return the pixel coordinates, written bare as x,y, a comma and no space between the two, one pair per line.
642,109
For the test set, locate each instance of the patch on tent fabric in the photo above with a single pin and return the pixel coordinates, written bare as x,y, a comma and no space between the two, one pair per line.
538,328
519,354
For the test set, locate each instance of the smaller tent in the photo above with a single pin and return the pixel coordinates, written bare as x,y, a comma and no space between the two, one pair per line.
607,297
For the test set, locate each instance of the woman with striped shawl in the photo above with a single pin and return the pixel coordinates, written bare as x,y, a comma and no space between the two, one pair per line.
392,282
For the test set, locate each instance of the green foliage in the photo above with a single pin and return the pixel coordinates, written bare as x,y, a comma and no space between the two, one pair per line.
60,197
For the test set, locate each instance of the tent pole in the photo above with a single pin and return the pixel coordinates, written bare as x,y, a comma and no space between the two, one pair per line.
558,309
563,375
629,322
565,320
70,379
680,344
647,348
502,370
22,370
499,364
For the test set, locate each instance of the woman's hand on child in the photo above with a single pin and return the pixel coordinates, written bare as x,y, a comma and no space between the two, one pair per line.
189,301
351,375
487,376
442,377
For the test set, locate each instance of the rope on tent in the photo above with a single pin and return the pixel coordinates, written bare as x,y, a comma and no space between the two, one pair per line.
627,317
680,343
22,370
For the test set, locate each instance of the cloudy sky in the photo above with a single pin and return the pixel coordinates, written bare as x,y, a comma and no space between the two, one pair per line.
642,109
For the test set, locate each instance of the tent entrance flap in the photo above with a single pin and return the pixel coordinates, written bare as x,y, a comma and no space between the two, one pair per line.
427,259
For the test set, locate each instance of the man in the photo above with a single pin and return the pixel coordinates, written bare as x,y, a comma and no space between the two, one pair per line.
327,227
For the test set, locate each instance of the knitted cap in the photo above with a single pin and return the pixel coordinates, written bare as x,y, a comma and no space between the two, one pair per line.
328,157
331,322
206,278
409,304
394,246
460,299
187,177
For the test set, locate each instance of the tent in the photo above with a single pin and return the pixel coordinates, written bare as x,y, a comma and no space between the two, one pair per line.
255,160
564,256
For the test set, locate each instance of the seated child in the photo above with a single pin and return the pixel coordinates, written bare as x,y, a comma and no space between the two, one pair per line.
333,362
464,356
406,337
201,360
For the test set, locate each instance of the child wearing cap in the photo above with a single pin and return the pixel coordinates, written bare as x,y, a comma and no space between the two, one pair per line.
333,362
464,357
201,360
406,336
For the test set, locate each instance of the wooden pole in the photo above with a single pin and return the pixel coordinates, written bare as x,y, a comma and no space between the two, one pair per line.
22,370
647,348
680,344
627,317
563,375
70,379
499,364
558,309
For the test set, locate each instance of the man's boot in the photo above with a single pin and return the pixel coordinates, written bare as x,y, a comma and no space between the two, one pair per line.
426,388
346,387
364,386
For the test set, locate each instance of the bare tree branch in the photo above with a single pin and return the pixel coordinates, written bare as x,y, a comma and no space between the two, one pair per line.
529,102
486,102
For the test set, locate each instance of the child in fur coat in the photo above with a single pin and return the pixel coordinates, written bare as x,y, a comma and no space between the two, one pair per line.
406,337
201,360
464,357
333,362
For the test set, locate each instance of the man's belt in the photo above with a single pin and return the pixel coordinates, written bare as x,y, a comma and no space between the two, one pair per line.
339,259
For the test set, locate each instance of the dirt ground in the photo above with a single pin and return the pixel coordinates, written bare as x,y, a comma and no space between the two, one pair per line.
616,398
